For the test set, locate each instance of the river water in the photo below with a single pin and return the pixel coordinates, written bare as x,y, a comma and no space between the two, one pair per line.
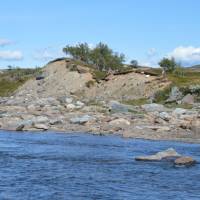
56,166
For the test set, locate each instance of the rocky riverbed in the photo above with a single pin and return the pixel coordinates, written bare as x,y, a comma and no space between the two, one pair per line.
68,114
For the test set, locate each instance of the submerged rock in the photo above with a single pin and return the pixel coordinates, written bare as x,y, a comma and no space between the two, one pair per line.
165,116
169,153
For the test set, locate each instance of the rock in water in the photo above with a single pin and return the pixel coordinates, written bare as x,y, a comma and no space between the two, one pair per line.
169,153
20,127
185,160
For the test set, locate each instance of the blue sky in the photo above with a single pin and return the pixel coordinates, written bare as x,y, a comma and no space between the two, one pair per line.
35,31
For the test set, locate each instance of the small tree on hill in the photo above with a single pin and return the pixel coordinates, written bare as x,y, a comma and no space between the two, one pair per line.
78,52
101,56
134,63
168,65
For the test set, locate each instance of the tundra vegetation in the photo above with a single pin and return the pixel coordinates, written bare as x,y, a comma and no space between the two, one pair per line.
13,77
103,60
102,57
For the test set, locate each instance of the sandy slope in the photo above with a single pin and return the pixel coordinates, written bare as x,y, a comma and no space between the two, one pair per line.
61,81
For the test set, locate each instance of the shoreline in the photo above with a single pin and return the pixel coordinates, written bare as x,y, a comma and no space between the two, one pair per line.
121,135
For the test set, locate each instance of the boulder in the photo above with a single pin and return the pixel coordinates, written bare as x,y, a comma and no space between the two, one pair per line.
179,111
55,122
184,160
71,106
20,127
68,100
79,104
119,122
188,99
153,107
81,120
169,153
116,107
165,116
41,126
175,95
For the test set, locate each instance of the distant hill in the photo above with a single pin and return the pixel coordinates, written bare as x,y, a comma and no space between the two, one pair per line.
196,67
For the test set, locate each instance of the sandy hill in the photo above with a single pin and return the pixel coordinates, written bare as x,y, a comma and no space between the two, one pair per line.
64,78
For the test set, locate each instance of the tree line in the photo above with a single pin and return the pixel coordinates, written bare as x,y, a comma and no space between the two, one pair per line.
105,59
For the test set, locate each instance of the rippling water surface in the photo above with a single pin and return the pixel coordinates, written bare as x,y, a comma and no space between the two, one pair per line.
51,166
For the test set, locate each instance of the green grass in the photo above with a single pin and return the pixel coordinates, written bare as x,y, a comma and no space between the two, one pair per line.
189,78
12,79
99,75
8,87
162,95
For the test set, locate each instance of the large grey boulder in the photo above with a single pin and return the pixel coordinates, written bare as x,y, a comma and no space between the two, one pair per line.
175,95
153,107
81,120
179,111
116,107
169,153
165,116
188,99
41,127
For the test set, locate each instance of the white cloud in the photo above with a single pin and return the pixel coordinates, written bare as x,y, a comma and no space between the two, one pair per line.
186,55
11,55
47,54
5,42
